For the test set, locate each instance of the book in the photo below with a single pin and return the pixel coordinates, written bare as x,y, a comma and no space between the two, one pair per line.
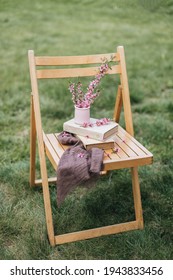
95,132
89,143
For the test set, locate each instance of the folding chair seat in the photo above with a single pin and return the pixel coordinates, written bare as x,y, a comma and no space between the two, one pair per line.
130,153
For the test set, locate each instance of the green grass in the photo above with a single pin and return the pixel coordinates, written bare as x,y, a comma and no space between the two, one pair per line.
57,27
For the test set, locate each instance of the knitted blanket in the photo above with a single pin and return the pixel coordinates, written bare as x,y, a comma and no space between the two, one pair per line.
76,165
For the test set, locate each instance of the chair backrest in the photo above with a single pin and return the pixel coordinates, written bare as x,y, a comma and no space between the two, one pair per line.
41,68
73,60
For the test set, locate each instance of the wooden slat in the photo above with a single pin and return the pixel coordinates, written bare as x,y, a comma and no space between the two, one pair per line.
96,232
120,153
51,180
126,162
52,155
108,154
129,142
74,60
63,147
135,141
55,144
125,147
73,72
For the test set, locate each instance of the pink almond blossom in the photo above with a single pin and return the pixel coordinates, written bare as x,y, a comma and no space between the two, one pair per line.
84,100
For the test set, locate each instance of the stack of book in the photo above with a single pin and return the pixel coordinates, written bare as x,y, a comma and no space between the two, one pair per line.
102,136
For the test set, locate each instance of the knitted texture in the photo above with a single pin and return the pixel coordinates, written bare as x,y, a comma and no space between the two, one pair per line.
76,165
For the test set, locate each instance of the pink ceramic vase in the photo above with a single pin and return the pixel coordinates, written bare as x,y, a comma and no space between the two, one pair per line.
81,115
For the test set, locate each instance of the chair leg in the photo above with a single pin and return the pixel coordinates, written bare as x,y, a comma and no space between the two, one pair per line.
137,197
32,144
44,177
48,212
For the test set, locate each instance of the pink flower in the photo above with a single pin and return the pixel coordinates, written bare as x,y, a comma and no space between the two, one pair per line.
71,87
65,134
98,123
86,124
84,100
116,150
90,124
80,155
103,121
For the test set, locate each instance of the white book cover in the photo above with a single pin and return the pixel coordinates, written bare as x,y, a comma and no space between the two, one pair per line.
96,132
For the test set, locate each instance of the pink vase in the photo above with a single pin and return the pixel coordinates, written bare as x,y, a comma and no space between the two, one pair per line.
81,115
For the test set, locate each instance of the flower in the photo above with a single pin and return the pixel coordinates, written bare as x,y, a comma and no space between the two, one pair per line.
65,134
80,155
84,100
98,122
116,150
103,121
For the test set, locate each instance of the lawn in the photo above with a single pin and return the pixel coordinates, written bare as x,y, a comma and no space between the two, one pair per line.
57,27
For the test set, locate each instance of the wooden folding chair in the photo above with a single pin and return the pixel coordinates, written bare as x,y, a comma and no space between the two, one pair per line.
131,153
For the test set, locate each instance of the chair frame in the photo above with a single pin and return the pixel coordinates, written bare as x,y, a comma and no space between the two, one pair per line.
37,135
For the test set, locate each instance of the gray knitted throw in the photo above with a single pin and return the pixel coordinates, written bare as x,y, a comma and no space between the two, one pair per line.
76,165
